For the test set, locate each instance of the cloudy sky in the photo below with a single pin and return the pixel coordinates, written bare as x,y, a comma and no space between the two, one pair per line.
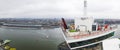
58,8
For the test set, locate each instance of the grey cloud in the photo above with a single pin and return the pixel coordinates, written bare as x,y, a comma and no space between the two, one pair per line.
16,8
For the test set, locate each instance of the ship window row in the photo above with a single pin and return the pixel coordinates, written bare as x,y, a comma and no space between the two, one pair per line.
82,43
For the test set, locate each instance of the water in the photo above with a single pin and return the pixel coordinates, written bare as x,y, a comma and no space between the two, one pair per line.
32,39
36,39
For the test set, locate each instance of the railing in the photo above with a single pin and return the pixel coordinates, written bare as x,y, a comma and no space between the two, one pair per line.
78,34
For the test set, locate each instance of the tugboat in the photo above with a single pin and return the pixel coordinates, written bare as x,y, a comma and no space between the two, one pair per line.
84,34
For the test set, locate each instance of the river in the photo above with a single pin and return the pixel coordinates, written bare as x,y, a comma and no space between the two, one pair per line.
32,39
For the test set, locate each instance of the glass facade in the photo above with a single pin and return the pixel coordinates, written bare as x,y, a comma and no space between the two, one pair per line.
98,46
92,47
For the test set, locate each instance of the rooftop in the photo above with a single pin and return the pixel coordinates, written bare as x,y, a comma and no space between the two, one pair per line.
73,36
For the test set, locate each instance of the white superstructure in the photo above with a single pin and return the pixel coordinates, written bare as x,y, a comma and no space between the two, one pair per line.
84,24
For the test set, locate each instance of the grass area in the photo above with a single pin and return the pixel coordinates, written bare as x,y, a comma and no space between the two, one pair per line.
72,30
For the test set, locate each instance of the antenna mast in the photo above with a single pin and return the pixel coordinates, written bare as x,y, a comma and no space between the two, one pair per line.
85,8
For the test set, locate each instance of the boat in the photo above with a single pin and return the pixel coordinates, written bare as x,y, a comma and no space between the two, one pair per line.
85,33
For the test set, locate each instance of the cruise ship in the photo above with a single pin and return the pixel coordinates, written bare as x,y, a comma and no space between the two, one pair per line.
85,34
